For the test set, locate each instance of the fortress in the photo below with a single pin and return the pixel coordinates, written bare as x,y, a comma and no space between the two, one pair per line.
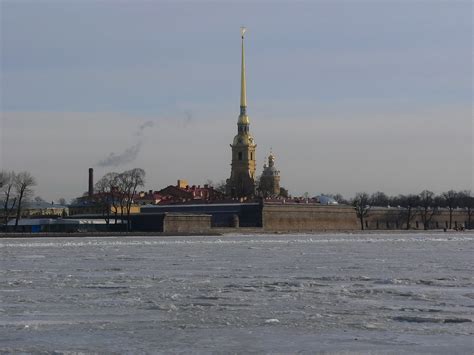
259,206
262,206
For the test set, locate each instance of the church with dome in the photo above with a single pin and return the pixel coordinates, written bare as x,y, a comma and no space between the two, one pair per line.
269,185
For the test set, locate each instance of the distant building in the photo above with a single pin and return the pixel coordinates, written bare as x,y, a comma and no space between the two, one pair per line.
101,204
43,208
326,200
38,209
242,177
148,198
185,193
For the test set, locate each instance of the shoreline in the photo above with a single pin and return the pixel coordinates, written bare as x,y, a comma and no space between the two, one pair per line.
217,232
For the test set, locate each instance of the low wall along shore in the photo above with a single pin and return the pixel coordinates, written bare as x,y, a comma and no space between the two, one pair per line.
313,217
308,217
186,223
263,216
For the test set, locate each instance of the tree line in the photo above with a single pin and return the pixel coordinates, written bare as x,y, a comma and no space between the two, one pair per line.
426,204
115,192
15,189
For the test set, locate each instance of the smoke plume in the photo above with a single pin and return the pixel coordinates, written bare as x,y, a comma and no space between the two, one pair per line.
147,124
129,154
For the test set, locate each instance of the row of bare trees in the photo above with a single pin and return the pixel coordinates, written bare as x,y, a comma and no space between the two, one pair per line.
15,190
426,204
115,192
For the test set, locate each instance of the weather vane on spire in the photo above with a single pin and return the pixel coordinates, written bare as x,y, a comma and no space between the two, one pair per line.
242,31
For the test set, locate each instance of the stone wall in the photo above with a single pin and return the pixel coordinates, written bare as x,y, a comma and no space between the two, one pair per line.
186,223
313,217
308,217
395,218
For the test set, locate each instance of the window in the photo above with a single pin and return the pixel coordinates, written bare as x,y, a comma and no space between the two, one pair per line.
251,156
240,155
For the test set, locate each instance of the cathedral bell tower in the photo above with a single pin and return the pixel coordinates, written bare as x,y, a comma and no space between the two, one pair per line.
242,177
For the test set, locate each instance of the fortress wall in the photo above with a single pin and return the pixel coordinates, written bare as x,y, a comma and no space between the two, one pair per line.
311,217
186,223
393,218
441,220
308,217
385,219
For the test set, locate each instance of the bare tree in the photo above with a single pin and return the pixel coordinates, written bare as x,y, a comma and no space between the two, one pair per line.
24,183
379,199
62,201
409,203
7,184
361,204
284,192
131,179
108,195
3,178
450,200
263,188
466,201
221,187
104,195
39,199
121,185
427,207
339,199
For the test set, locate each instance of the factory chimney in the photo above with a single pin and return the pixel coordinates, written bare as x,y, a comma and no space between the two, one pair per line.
91,182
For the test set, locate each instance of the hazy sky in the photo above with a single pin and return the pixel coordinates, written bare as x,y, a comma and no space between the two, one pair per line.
351,95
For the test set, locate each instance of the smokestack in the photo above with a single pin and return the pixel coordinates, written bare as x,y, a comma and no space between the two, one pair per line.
91,182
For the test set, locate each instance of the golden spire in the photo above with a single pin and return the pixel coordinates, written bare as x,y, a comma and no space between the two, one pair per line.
243,89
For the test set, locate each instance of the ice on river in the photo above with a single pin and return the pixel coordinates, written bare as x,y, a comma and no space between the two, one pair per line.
392,293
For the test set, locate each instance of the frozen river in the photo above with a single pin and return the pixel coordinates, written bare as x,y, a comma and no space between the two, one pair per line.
367,293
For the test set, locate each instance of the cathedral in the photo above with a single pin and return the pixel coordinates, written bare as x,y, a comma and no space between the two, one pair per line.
242,177
242,181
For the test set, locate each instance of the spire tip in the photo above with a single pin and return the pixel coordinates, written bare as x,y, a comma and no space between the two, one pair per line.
243,29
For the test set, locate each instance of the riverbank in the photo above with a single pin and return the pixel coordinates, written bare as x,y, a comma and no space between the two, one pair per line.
215,232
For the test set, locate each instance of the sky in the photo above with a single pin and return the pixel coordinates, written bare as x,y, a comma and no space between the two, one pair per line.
350,95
